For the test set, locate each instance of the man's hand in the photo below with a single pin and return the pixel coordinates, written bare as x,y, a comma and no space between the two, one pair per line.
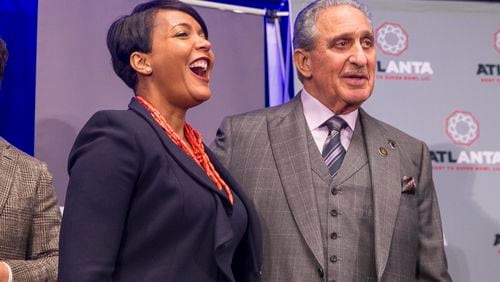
4,272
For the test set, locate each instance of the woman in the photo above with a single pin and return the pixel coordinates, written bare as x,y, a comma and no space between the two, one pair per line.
146,200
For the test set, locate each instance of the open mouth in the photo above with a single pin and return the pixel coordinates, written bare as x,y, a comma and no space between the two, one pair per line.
200,67
356,75
355,78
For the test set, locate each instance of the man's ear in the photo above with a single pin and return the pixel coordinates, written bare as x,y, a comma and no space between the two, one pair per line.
301,59
140,63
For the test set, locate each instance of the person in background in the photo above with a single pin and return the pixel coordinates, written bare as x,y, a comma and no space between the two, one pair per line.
341,195
146,200
29,213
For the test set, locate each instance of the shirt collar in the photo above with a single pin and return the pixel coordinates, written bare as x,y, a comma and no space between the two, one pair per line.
316,113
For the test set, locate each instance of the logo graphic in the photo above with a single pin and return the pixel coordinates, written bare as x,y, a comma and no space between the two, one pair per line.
462,128
392,39
489,73
497,41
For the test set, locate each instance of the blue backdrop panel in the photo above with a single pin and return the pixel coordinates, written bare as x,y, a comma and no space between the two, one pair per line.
18,27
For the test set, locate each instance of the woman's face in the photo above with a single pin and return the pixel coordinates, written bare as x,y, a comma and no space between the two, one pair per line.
181,59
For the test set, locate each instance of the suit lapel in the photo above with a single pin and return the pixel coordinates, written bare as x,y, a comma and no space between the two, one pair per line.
288,138
386,186
318,165
355,157
8,165
184,161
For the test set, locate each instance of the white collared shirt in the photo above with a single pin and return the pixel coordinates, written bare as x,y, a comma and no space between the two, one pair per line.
316,114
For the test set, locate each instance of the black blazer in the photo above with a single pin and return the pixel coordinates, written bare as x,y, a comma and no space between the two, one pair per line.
139,209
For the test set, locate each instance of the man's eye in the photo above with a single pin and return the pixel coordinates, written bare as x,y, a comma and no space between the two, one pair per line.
341,43
367,43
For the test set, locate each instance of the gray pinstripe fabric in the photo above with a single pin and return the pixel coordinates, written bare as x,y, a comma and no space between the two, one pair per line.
268,153
29,217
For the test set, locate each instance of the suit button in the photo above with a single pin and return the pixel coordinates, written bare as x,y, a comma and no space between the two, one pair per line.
334,213
321,272
333,259
334,191
334,235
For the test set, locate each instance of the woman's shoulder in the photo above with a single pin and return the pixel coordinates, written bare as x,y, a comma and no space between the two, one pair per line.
119,126
117,119
114,115
110,134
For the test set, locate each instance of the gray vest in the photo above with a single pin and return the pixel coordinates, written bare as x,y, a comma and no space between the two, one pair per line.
345,207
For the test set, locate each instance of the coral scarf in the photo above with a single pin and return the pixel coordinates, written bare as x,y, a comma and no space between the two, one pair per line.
197,149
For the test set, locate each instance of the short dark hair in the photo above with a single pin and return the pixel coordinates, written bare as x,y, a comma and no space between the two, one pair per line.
132,33
4,56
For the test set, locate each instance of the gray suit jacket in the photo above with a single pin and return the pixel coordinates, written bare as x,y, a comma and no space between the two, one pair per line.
29,217
267,152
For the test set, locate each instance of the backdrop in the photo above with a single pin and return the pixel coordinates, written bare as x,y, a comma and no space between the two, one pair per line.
75,76
438,79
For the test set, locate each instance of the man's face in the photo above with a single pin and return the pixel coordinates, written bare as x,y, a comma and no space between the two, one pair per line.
340,70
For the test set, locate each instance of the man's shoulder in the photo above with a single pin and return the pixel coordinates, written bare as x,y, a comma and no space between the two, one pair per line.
22,159
390,130
264,113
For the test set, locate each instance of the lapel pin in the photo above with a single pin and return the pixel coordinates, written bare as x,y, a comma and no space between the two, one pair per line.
392,143
383,151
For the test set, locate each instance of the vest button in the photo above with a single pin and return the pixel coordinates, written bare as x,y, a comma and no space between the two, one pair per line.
333,259
334,191
334,236
321,272
334,213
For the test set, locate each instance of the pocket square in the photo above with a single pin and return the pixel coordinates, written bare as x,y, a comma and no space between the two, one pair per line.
408,185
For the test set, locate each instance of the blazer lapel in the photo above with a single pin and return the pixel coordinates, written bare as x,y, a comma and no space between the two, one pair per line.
253,247
184,161
385,176
8,165
288,138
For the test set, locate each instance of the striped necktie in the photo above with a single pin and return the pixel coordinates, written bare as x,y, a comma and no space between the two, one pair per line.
333,151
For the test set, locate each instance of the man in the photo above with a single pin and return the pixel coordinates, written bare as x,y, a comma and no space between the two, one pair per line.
368,214
29,213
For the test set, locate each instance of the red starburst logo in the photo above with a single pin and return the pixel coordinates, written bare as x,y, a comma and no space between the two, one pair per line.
462,128
392,39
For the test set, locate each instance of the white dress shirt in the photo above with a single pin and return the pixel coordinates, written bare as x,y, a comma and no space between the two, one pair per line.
316,114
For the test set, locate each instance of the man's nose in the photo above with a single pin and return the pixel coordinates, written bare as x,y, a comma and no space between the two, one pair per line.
358,56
